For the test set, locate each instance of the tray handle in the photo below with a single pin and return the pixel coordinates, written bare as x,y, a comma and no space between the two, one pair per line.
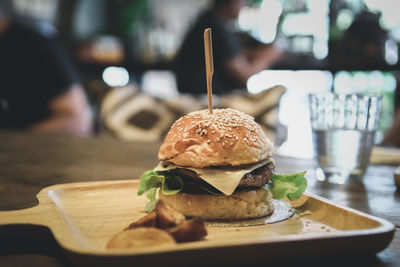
35,215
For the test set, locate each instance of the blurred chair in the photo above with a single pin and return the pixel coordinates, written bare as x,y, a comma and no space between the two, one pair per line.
135,116
131,115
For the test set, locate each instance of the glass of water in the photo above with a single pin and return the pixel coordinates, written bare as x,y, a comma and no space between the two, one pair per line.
343,131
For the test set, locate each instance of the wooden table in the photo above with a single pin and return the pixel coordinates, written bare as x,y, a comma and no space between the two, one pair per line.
29,162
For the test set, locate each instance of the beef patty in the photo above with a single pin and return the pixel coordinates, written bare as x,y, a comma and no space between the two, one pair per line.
255,178
259,176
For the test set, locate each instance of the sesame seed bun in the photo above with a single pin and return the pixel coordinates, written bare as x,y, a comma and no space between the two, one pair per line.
226,137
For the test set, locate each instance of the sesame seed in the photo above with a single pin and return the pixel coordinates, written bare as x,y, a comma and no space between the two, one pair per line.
208,141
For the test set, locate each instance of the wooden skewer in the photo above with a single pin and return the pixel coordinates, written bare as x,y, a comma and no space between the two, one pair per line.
209,65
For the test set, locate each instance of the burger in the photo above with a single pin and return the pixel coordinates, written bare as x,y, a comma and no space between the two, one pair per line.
218,166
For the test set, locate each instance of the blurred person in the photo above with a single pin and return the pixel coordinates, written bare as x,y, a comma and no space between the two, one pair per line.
232,64
363,43
39,89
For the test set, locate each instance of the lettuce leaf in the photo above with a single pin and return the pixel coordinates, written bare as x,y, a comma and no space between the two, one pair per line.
149,182
291,186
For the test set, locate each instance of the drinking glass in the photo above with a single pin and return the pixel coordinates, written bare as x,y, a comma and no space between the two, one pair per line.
343,131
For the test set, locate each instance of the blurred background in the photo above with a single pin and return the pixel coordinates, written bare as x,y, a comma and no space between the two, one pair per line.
341,45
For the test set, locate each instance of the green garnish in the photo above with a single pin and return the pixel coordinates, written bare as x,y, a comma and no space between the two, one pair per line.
291,186
150,180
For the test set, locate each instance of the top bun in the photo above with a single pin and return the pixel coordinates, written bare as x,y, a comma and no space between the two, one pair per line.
226,137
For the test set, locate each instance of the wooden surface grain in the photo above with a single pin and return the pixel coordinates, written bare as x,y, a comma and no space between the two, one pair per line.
30,162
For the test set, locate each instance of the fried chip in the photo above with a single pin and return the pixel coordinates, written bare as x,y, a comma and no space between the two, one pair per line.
140,237
147,221
189,230
167,217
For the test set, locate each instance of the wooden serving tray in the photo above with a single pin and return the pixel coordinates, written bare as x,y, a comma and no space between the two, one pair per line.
84,216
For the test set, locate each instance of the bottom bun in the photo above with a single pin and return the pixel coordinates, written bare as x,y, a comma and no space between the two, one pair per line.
243,205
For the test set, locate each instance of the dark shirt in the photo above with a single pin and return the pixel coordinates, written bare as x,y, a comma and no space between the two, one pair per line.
33,70
190,65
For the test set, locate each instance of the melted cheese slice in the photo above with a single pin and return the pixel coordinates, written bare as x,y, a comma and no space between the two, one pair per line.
225,180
